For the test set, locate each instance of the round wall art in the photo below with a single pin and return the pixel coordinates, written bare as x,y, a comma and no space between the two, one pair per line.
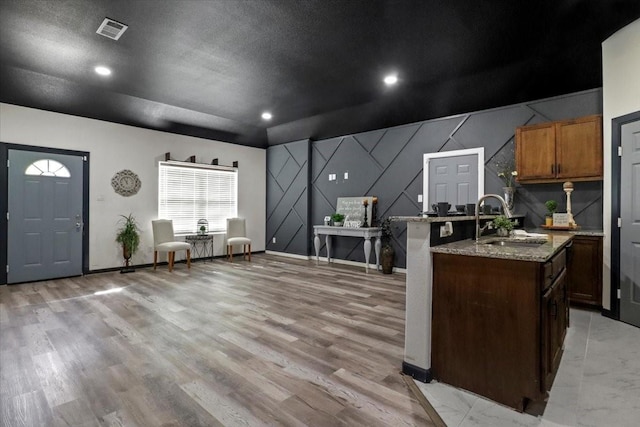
126,183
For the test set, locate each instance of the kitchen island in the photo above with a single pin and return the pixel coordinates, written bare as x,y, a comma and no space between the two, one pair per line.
500,313
423,233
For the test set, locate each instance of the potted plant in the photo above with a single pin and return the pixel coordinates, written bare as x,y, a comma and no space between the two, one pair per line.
551,206
337,219
388,254
128,236
203,229
503,225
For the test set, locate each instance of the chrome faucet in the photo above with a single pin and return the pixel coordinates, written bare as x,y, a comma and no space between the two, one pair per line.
505,208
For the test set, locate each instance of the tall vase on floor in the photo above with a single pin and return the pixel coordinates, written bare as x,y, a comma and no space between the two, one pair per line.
509,196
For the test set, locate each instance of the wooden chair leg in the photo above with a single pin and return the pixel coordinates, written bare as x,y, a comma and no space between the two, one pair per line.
170,259
230,252
155,259
249,251
188,258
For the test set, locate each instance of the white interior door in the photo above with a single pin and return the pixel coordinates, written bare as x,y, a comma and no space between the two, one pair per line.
630,227
456,177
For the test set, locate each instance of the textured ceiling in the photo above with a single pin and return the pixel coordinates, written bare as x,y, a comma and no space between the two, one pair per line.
209,68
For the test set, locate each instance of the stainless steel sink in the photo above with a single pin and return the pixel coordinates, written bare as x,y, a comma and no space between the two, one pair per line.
520,243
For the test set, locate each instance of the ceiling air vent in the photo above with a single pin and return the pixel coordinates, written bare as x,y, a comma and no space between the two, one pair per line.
112,29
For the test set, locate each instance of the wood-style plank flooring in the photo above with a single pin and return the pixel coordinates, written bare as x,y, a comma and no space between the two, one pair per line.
274,341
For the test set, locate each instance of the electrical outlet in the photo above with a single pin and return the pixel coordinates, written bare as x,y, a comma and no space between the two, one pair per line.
419,198
346,175
274,240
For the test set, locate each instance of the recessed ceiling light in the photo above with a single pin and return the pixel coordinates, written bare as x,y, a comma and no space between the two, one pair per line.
266,115
391,79
103,71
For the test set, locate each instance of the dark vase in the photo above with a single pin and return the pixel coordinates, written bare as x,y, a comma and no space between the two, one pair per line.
126,254
387,256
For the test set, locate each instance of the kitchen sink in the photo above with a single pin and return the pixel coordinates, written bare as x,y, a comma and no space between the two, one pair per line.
519,243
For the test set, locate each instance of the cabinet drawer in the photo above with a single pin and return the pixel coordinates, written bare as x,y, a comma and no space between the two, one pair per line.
553,267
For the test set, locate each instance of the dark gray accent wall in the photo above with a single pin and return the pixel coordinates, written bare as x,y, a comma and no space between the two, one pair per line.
388,163
288,198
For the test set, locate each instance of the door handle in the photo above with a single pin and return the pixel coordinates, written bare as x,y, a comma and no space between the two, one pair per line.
78,223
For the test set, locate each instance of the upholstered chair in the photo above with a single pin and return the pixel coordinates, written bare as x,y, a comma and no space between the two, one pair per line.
237,235
165,241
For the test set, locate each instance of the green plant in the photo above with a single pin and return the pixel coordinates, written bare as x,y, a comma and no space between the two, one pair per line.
502,221
203,229
128,234
337,217
551,206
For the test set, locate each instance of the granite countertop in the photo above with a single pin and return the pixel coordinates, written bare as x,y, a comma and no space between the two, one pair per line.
444,218
577,232
523,249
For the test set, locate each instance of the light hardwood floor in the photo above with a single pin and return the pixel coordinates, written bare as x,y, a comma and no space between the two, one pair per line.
274,341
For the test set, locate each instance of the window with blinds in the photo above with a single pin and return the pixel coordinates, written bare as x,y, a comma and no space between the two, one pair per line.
188,193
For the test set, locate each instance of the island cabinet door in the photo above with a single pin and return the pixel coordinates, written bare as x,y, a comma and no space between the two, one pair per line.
554,324
485,329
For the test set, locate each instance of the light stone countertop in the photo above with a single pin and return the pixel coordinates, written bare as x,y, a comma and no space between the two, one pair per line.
552,243
444,218
578,232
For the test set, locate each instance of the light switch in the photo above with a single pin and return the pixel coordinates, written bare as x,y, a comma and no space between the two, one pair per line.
274,240
419,198
346,175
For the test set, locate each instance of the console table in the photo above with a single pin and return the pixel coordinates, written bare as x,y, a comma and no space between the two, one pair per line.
201,244
365,233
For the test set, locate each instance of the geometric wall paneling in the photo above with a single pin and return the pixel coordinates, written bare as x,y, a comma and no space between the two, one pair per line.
392,143
387,163
583,104
434,134
288,198
490,129
370,139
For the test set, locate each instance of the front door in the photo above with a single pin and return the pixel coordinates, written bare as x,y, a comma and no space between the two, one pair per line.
630,227
44,235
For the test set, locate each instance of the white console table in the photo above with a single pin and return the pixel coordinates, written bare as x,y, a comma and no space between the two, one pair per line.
365,233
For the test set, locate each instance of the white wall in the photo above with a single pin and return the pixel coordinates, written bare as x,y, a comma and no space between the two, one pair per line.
114,147
620,96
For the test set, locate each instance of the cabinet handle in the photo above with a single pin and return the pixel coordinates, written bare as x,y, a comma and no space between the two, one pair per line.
553,169
559,167
554,312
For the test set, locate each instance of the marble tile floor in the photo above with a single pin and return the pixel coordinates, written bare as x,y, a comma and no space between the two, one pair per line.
597,384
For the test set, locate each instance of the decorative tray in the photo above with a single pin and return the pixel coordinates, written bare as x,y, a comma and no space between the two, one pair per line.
560,227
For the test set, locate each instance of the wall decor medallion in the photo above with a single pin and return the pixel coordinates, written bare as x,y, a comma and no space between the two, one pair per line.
126,183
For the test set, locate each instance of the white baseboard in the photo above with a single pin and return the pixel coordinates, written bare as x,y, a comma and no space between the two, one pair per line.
288,255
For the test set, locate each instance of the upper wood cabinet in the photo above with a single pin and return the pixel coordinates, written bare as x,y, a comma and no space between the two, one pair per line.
569,150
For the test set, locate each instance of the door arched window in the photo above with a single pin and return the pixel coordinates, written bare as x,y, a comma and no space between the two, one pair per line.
48,167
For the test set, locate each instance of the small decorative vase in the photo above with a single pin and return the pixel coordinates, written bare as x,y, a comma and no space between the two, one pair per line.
502,232
548,221
337,224
509,195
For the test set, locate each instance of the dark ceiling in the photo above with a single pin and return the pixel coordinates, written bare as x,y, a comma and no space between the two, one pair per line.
209,68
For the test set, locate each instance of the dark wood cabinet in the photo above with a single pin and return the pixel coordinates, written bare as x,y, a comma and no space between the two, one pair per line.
569,150
584,270
498,325
554,319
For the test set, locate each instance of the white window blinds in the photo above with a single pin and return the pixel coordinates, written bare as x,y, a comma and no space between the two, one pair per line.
188,193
